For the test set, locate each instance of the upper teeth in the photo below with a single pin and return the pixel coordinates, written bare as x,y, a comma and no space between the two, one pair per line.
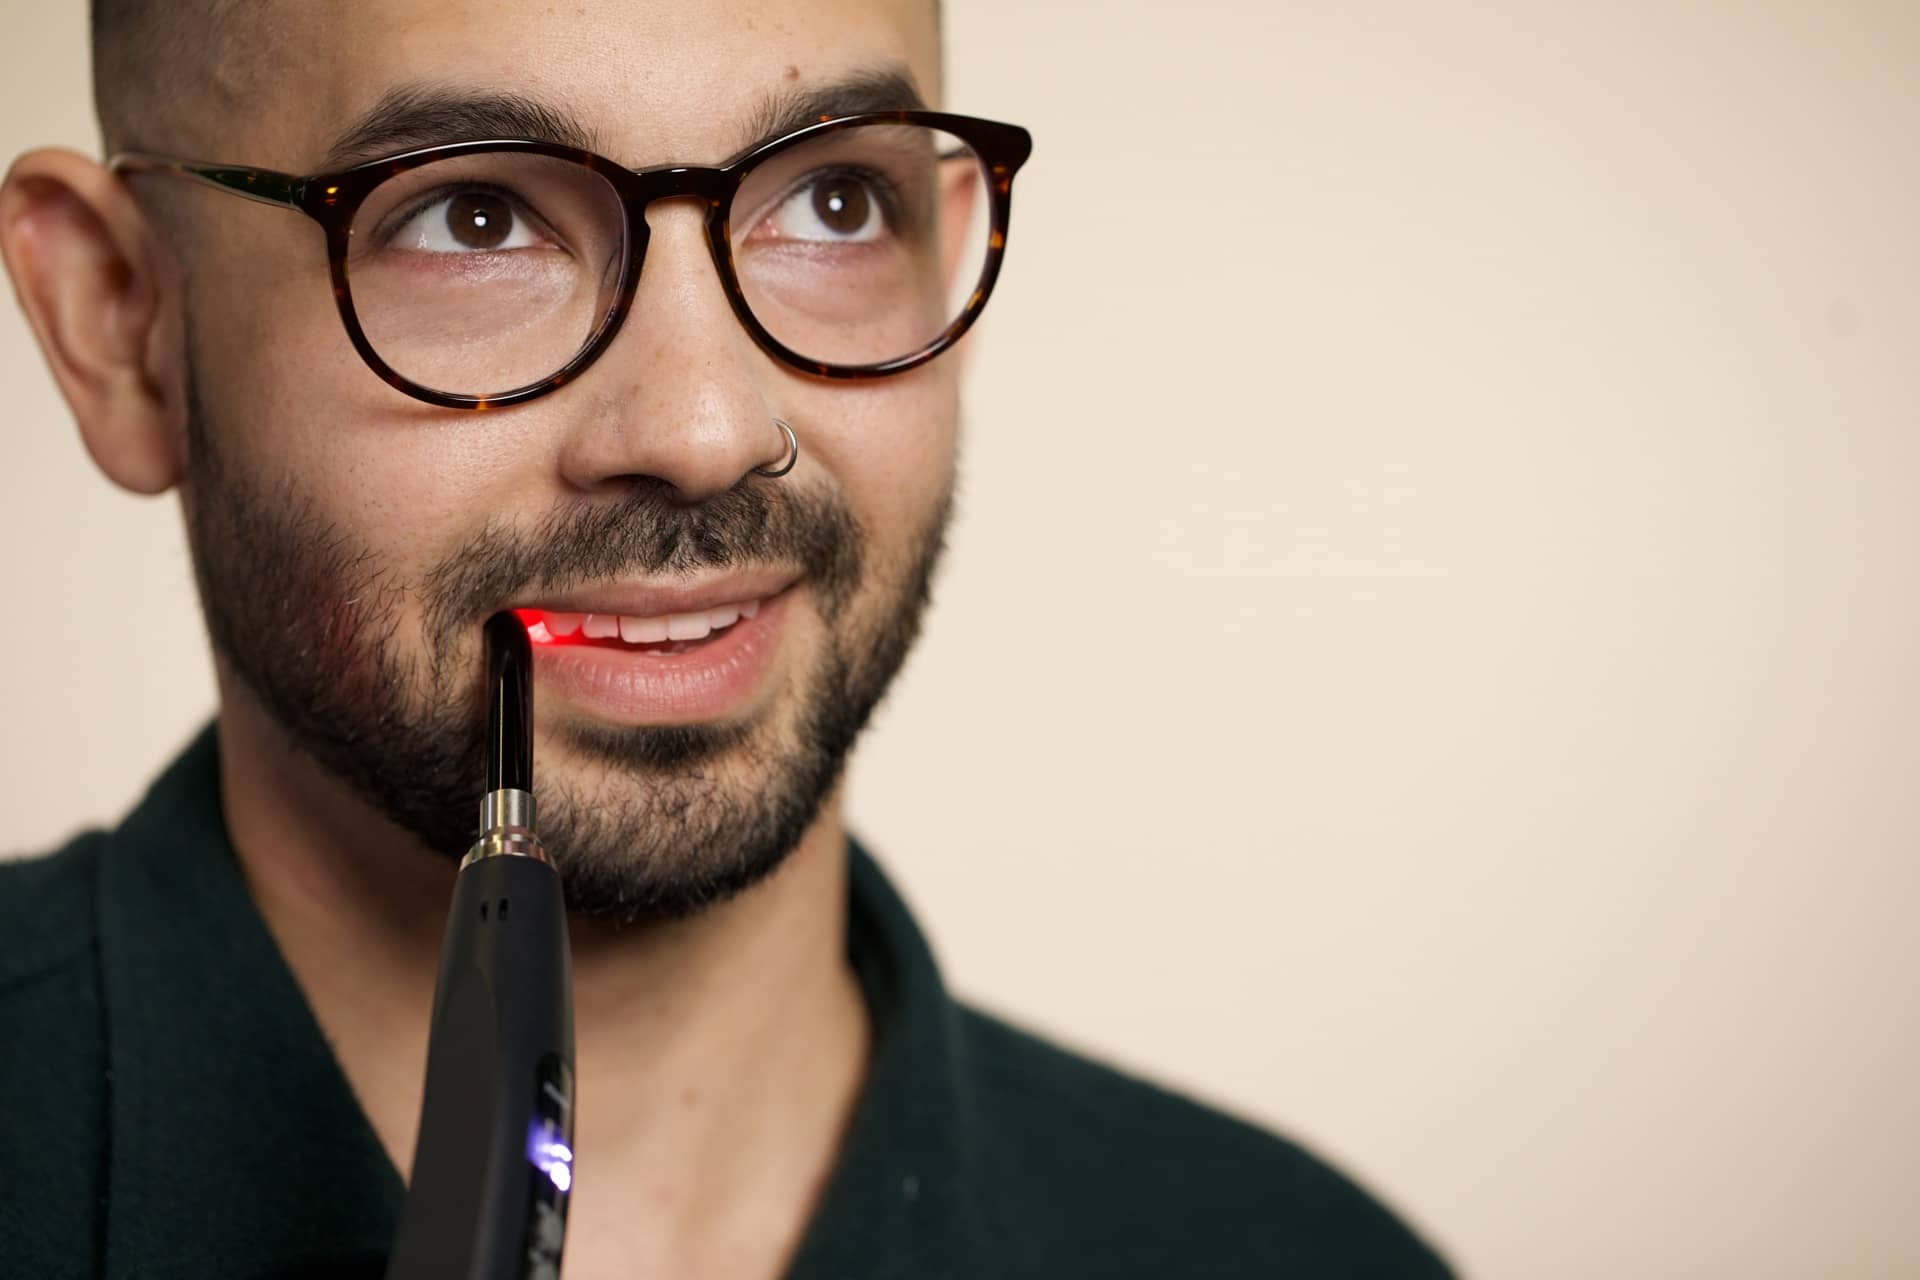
671,626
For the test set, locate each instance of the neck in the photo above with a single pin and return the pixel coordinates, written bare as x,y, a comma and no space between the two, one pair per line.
719,1057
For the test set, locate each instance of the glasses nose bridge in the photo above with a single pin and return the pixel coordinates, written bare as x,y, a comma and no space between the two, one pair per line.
639,190
643,188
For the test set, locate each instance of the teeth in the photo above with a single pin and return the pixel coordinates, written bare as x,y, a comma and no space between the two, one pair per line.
688,626
643,630
677,626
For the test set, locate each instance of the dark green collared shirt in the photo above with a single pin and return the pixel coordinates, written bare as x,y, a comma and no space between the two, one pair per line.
169,1108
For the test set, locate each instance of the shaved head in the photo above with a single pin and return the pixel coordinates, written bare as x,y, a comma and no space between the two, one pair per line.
172,75
165,72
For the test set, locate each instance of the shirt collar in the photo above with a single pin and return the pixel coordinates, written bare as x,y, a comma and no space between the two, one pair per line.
236,1141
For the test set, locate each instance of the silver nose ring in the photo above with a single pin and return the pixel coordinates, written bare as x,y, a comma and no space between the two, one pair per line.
793,454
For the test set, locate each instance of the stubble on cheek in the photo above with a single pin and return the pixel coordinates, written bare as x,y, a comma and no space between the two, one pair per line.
309,619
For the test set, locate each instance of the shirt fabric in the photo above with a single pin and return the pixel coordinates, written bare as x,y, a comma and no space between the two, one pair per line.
170,1108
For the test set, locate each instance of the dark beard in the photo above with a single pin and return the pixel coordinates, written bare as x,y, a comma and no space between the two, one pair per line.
307,617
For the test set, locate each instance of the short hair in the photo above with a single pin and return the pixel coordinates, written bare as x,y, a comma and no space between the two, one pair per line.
166,71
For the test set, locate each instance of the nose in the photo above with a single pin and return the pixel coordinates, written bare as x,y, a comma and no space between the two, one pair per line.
682,396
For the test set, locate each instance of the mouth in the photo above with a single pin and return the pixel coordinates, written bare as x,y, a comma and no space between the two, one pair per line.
663,635
664,655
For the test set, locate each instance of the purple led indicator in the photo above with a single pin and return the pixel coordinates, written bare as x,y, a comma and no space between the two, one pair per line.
550,1154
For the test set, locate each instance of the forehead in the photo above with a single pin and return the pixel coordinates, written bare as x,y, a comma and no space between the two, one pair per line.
655,80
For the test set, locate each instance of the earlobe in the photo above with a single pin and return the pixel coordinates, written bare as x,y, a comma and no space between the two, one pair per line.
86,269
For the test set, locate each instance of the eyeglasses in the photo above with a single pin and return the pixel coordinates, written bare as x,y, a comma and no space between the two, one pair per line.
484,274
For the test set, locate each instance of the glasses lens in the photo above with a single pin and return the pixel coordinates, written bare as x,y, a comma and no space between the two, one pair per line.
864,244
481,274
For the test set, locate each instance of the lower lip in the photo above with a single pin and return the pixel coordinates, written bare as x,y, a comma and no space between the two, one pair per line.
718,680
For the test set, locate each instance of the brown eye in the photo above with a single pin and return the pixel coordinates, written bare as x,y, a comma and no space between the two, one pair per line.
842,205
831,208
478,220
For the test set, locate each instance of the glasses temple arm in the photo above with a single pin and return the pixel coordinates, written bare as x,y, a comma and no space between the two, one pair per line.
263,185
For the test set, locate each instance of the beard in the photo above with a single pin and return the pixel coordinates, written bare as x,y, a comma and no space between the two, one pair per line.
659,822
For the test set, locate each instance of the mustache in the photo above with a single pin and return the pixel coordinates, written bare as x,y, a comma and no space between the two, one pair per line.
649,531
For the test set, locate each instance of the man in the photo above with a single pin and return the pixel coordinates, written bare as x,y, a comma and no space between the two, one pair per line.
451,356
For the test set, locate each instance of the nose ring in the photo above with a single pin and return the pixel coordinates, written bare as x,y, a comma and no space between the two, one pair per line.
793,454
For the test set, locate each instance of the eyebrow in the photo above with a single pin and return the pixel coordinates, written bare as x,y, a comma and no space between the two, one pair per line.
884,88
418,115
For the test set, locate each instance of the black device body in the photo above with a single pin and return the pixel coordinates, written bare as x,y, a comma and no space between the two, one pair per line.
493,1164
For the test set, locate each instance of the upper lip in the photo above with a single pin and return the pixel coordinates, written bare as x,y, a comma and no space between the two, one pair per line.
657,600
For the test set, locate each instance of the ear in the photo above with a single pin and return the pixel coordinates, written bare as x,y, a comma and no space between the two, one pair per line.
98,286
962,199
960,196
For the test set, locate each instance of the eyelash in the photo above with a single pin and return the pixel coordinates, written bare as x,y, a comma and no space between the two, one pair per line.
882,188
383,234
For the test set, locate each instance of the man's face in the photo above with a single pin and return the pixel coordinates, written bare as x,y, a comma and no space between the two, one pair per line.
351,540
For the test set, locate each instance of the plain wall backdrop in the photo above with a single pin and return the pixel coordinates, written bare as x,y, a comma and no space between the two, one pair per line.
1427,658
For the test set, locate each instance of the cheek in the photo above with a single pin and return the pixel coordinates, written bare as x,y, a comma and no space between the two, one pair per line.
888,447
296,411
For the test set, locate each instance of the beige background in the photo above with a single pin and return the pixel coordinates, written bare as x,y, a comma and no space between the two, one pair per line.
1428,658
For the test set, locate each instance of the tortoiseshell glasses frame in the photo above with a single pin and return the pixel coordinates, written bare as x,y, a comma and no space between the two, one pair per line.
333,200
